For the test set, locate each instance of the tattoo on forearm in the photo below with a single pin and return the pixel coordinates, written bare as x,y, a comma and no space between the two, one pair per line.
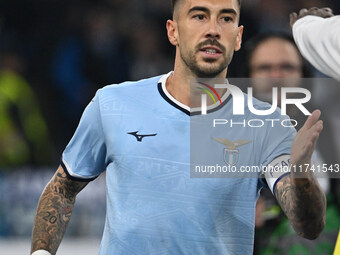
304,205
54,211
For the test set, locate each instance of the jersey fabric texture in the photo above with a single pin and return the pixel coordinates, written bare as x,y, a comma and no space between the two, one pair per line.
318,40
140,135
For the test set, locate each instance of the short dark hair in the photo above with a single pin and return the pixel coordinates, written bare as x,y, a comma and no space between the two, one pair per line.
174,2
256,41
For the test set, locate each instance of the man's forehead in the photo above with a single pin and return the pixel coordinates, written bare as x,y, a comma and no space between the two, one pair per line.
276,50
212,4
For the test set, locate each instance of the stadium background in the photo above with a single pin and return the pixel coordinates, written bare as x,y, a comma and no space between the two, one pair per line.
54,55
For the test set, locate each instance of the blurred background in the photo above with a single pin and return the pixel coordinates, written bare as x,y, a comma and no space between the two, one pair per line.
54,55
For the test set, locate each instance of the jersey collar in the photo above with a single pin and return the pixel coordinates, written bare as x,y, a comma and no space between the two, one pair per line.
182,107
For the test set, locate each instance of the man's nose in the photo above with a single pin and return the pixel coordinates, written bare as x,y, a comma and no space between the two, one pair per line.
276,72
213,30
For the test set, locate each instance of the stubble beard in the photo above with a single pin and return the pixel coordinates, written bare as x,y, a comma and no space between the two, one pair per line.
209,70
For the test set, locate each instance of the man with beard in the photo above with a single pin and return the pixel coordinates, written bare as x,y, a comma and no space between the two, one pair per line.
141,134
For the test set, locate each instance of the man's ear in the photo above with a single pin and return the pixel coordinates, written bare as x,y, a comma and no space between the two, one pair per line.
171,27
239,38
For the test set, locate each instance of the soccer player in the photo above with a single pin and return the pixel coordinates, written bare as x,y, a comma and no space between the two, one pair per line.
317,33
139,132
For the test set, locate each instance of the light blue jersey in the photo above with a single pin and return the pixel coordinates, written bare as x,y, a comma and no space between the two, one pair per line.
140,135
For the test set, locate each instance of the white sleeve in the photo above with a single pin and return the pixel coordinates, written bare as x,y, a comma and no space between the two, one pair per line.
41,252
319,42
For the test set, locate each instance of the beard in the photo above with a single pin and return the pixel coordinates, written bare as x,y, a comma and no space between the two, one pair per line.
211,68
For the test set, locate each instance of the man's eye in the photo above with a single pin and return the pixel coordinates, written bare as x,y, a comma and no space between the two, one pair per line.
199,17
263,68
227,19
289,68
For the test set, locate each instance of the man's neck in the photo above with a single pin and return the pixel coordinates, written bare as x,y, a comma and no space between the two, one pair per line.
178,85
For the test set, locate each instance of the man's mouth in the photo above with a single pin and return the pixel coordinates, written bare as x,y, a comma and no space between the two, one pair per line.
211,50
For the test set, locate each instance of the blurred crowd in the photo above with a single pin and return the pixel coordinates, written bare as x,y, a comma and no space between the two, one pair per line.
55,54
60,52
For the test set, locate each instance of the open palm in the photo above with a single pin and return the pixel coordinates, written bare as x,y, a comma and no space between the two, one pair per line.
305,140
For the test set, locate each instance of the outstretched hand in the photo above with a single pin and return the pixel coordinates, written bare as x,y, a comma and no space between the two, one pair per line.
305,140
320,12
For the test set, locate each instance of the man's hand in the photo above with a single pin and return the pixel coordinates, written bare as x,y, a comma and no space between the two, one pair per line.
305,140
320,12
299,193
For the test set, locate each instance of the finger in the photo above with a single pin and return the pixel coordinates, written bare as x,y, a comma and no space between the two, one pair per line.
317,128
303,12
293,17
316,133
313,10
312,119
323,13
327,9
327,14
313,139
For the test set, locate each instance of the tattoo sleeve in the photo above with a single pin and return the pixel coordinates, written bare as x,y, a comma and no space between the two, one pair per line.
304,203
54,211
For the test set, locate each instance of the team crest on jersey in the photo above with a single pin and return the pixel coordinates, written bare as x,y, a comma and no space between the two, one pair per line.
231,153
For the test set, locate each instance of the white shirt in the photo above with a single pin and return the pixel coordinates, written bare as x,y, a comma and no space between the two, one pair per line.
319,42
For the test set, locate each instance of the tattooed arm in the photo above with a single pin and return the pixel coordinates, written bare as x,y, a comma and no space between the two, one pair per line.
304,203
299,193
54,211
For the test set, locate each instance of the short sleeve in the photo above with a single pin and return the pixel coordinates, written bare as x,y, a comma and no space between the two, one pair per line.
84,156
279,137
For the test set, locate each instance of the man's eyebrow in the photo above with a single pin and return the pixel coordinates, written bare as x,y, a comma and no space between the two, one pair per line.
198,8
229,10
204,9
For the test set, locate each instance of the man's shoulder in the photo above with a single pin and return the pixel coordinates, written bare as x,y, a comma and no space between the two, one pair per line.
127,85
131,93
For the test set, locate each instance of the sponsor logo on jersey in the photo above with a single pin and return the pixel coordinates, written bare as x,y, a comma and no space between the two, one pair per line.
139,137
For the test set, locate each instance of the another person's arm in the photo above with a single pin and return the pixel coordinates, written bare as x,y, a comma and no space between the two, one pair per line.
299,193
317,34
54,211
